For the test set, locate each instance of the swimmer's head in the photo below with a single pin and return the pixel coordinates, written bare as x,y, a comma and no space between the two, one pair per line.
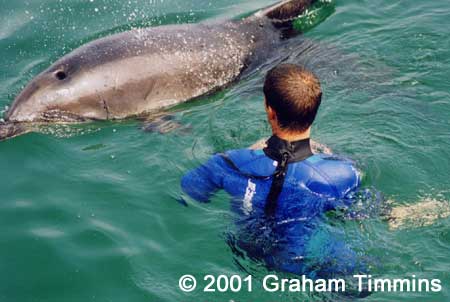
292,96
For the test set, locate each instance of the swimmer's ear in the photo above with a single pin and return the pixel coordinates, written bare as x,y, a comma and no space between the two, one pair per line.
284,13
271,115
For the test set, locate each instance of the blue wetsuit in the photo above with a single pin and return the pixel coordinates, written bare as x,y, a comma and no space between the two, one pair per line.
296,240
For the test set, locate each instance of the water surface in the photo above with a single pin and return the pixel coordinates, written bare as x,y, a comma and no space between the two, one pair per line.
90,213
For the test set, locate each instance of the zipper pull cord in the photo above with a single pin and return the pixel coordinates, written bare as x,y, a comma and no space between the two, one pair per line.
277,186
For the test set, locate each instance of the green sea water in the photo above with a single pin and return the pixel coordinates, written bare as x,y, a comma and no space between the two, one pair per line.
90,212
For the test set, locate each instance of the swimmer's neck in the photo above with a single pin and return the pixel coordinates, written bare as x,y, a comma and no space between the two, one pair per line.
287,135
291,136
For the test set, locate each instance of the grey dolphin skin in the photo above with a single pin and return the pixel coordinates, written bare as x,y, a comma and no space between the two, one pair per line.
144,70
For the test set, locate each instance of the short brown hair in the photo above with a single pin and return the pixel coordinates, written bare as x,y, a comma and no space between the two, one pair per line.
294,94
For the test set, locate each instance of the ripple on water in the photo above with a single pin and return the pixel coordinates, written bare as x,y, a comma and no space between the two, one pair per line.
47,232
22,204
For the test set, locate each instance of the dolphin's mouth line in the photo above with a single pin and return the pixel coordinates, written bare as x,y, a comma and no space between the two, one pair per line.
11,129
57,115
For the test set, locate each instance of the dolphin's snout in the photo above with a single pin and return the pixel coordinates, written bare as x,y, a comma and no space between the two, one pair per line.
9,130
13,113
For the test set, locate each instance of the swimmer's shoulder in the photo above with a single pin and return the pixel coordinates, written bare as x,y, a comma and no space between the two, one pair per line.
340,173
251,161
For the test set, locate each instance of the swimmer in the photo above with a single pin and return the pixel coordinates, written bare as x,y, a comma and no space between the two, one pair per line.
282,190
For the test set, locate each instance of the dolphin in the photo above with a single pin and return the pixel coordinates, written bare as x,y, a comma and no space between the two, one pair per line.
148,69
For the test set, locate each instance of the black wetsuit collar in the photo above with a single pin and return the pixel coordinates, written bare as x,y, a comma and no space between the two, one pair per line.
278,148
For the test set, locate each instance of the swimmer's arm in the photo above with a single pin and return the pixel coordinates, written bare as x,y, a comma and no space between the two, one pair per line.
202,182
344,185
423,213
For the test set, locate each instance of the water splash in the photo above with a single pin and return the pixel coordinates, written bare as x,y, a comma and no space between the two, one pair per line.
66,131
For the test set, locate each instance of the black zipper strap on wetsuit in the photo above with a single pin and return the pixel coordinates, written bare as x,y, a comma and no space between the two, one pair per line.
284,153
277,186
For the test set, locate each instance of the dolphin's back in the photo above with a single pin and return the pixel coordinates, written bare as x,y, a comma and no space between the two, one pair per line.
147,69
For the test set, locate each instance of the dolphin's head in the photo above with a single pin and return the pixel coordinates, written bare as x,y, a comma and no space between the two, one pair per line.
62,93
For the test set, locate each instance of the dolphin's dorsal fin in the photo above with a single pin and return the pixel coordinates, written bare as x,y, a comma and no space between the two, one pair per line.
285,12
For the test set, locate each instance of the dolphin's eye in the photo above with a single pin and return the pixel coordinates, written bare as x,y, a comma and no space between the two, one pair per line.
61,75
